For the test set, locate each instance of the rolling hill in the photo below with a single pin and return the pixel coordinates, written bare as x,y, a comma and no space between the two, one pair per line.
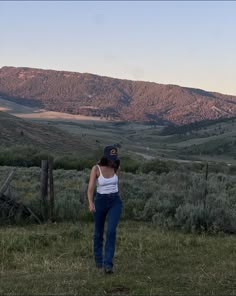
116,99
16,131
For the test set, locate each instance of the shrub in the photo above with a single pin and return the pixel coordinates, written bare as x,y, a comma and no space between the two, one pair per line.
130,165
73,163
177,199
24,156
156,166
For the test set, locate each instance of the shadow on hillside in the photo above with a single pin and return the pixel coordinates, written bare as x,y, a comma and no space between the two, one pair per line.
28,102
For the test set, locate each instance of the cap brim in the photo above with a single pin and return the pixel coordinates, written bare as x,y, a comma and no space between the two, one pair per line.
113,157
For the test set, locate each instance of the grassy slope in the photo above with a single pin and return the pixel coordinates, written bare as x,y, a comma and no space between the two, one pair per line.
57,259
16,131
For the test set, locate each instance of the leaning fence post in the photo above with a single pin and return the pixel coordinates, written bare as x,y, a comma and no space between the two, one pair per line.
51,190
44,189
7,182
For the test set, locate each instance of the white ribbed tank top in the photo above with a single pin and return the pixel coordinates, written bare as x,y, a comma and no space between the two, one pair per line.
107,185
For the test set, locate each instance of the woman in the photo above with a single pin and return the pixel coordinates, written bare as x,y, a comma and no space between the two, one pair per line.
107,203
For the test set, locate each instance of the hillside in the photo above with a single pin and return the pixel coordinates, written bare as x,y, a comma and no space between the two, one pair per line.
94,95
16,131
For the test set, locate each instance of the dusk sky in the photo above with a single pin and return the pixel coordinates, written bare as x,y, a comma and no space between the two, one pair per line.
188,43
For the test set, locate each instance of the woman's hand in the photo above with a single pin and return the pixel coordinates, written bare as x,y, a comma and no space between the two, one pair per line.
92,207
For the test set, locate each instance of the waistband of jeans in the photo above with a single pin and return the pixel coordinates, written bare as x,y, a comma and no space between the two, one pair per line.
107,195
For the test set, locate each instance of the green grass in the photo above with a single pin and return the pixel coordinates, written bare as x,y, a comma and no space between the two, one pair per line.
58,259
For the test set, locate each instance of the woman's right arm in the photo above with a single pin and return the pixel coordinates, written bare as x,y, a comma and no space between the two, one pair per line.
91,186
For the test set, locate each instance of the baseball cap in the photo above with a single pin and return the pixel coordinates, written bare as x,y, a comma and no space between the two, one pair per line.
111,152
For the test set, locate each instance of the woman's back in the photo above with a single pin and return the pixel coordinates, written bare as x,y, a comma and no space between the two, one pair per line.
107,180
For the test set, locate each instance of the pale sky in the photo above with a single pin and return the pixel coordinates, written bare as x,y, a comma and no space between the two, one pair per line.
188,43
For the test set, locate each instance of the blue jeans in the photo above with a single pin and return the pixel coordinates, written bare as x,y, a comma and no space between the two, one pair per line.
106,205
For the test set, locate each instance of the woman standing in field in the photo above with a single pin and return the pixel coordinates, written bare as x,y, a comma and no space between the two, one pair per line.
107,203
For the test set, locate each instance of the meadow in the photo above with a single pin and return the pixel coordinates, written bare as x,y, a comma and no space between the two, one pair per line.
56,259
177,232
173,238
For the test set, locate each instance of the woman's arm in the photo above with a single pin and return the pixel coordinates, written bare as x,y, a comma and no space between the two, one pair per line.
91,186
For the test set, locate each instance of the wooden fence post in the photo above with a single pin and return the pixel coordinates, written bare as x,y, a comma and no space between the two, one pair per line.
51,190
44,189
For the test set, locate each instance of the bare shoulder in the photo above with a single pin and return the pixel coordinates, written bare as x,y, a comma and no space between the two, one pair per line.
94,170
95,167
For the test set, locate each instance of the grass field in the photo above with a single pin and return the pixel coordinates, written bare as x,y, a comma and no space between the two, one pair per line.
57,259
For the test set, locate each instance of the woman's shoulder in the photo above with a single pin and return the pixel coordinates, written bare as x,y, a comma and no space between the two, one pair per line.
95,167
96,170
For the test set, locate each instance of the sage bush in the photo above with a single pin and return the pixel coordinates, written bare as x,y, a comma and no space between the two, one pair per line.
176,199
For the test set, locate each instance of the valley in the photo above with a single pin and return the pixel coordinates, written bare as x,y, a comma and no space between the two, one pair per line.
213,142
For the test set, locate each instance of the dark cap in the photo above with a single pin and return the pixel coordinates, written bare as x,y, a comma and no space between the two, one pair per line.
111,153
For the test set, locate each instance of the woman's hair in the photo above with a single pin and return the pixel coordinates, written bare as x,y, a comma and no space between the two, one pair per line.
105,162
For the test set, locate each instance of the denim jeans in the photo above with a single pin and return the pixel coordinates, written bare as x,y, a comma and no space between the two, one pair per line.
106,205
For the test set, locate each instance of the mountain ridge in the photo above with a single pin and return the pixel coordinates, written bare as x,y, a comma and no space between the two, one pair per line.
112,98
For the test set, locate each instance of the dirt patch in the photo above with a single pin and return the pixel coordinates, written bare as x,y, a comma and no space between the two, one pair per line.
4,109
120,290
